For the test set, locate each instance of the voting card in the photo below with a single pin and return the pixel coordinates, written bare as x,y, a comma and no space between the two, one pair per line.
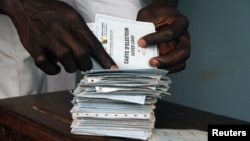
120,38
134,134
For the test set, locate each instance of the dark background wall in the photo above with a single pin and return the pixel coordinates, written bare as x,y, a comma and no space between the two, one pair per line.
218,72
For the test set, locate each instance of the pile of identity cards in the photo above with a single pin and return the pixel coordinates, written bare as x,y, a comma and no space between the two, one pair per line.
118,103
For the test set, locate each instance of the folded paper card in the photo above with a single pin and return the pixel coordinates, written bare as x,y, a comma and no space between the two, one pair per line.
119,38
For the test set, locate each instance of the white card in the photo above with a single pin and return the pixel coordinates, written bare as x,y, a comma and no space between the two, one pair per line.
119,37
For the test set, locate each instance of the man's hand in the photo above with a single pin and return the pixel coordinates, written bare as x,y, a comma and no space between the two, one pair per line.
171,35
52,31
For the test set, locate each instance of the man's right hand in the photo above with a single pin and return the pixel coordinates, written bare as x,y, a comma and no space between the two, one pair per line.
171,36
52,31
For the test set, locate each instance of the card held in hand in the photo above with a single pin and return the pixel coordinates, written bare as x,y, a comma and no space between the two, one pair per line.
119,38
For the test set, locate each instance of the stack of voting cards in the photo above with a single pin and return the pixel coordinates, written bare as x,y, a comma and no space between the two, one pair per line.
120,103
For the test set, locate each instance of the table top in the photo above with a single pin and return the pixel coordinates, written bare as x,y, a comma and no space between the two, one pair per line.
47,117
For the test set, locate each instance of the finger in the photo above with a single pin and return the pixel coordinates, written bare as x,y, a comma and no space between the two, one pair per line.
99,53
165,35
64,55
46,62
165,32
76,54
83,58
95,47
176,68
166,47
176,56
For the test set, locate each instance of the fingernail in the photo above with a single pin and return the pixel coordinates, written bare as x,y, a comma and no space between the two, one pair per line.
114,67
154,63
142,43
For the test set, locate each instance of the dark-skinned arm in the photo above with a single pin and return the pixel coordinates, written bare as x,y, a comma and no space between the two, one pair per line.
52,31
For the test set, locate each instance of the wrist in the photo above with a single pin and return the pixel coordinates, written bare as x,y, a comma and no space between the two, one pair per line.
3,6
8,6
170,3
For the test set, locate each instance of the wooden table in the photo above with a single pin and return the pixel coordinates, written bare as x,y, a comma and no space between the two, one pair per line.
46,117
